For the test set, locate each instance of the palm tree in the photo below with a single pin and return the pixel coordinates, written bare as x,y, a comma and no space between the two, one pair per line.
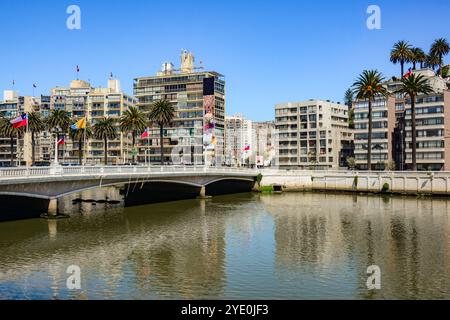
134,121
162,112
105,129
35,125
401,53
440,48
432,61
80,135
8,131
418,56
368,86
351,111
413,86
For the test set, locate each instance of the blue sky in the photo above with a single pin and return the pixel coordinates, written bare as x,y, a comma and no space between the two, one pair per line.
270,51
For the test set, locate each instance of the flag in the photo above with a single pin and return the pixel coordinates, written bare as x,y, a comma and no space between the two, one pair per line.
78,68
34,85
408,74
61,141
81,124
21,121
146,134
247,148
111,75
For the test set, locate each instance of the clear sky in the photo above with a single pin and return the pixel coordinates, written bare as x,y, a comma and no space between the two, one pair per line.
270,51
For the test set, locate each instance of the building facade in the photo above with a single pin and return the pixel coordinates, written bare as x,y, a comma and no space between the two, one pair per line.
313,134
197,134
265,143
239,146
81,100
391,137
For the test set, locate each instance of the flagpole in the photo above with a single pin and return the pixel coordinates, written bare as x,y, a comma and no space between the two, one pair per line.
148,145
84,138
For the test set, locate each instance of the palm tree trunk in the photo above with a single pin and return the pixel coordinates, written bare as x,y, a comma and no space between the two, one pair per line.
80,151
369,139
11,141
421,65
441,64
132,147
402,63
161,134
414,65
106,151
413,133
33,151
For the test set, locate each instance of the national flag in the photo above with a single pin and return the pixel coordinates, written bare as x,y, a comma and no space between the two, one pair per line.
146,133
247,148
34,85
81,124
78,68
61,141
21,121
111,75
408,74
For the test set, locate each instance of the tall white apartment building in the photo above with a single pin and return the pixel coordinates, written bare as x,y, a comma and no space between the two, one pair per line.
313,134
239,147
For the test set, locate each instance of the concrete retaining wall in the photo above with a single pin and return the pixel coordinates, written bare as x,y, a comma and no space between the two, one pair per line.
396,182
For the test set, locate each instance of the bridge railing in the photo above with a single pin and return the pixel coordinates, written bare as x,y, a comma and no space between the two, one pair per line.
111,170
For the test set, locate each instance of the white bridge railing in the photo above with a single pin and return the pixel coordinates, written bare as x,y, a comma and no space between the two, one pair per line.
112,170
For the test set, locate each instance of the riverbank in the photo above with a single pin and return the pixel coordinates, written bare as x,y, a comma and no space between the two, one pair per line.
404,183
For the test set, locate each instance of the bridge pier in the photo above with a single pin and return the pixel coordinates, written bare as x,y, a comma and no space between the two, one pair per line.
53,208
202,194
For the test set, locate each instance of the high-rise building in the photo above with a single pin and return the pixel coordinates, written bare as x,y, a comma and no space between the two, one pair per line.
265,143
239,146
81,100
313,134
391,137
198,96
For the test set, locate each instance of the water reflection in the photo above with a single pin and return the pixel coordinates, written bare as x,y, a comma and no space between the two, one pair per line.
294,246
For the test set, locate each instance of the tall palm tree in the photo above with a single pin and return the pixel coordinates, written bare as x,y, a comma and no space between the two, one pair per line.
432,61
440,48
35,126
105,129
413,86
8,131
349,103
368,86
80,135
401,53
418,56
133,120
162,113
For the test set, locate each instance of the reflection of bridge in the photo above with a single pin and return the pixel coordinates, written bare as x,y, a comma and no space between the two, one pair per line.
51,183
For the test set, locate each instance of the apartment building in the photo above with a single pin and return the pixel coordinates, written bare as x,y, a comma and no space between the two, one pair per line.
265,143
313,134
392,129
239,146
197,134
81,100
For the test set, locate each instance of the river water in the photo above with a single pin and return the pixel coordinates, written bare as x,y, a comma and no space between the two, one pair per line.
247,246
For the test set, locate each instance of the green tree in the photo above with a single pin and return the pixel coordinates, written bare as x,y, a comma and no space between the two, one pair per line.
35,126
418,56
432,61
80,135
440,48
162,113
368,86
351,111
133,120
412,86
105,129
401,53
8,131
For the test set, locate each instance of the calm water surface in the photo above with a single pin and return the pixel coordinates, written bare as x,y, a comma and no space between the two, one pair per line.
249,246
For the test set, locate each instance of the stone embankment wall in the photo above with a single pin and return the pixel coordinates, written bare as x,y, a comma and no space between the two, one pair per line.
437,183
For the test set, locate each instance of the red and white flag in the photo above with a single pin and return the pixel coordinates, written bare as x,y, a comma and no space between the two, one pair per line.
146,133
21,121
61,141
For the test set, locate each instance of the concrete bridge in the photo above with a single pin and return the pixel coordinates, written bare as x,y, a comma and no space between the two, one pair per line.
52,183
